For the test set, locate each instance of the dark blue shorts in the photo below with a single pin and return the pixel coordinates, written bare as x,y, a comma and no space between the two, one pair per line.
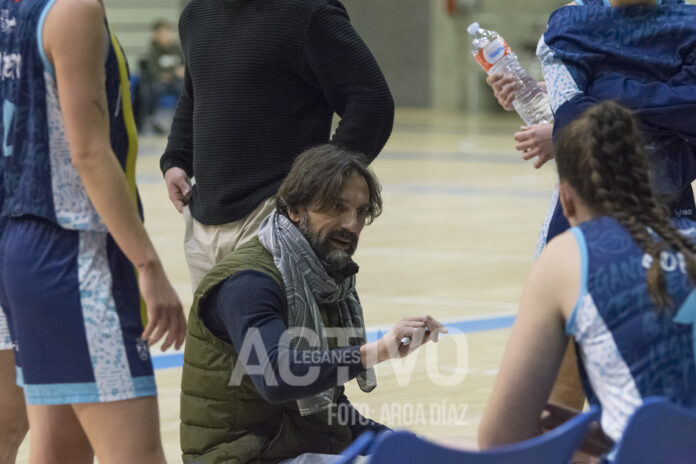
73,307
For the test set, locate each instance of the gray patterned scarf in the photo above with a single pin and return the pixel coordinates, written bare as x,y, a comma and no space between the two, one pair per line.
307,284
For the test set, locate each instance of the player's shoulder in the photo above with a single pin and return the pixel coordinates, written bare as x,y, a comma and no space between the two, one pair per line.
84,18
560,257
80,6
561,243
77,12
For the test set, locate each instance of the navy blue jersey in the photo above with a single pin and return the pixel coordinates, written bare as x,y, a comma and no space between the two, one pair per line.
628,349
38,176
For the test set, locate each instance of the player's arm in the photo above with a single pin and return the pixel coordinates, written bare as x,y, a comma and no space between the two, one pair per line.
535,349
75,41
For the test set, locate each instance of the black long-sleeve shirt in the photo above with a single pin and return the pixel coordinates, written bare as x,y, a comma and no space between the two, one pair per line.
263,79
250,301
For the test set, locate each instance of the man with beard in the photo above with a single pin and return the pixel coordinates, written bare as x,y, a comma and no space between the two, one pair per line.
276,327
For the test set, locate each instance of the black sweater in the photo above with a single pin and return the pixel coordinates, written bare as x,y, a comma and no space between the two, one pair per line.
263,79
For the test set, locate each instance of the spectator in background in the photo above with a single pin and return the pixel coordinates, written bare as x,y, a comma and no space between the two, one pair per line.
162,72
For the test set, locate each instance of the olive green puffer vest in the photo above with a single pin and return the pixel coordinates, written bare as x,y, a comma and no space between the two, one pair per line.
221,423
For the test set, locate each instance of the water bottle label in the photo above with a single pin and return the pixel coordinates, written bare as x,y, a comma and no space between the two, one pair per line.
492,53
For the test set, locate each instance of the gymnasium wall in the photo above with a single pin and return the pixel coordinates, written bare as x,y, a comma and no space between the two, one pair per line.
421,45
131,20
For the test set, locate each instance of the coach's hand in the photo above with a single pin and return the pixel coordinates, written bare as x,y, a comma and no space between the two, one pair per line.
419,330
165,315
178,187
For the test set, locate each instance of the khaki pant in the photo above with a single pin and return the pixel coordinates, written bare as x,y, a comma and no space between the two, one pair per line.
205,246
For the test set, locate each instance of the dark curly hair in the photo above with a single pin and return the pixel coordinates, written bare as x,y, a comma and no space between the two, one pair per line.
601,156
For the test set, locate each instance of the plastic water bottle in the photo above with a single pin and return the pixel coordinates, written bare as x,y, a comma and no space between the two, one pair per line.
496,57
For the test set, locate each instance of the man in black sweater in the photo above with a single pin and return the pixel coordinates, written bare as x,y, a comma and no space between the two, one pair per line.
263,79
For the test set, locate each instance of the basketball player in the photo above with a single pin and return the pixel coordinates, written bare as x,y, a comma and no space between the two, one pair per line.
13,420
74,252
621,282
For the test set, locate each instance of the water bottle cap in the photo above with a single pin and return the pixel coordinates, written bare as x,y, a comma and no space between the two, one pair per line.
473,28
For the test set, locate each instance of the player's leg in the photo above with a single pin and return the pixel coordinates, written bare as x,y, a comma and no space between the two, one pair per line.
56,436
42,298
79,337
13,420
123,426
123,431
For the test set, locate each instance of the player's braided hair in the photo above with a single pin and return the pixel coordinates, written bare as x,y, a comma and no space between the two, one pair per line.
601,156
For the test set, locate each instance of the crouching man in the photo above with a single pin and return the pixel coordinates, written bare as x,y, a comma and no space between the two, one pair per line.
277,328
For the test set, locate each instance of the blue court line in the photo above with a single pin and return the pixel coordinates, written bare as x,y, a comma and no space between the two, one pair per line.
165,361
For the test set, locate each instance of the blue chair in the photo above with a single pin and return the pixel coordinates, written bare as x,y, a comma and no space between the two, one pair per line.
357,448
659,432
554,447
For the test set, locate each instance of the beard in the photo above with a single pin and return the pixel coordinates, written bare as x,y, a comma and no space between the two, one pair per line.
338,263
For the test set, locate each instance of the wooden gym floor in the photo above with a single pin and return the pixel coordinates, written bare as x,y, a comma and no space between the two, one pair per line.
457,237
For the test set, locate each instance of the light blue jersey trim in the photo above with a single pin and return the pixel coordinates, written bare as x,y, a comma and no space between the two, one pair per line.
39,38
145,386
687,315
5,337
61,393
8,109
68,393
106,346
20,377
582,245
579,2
